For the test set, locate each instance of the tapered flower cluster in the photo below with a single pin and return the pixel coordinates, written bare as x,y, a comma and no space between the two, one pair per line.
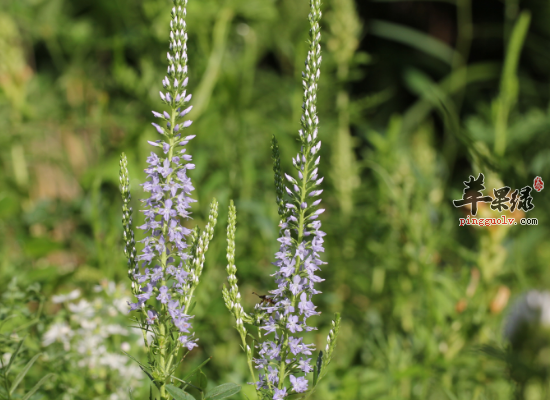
168,267
301,242
283,357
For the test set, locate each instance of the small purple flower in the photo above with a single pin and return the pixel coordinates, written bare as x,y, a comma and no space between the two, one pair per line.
151,317
295,287
287,306
279,394
153,160
304,365
261,382
270,326
187,342
272,375
294,344
307,308
147,289
182,324
165,169
164,297
293,324
173,305
261,363
142,298
167,211
286,239
299,385
171,270
301,251
274,351
157,275
181,275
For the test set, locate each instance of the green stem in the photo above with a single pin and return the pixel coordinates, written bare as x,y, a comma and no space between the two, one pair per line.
164,363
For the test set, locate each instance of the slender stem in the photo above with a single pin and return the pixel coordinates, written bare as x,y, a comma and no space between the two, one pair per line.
163,362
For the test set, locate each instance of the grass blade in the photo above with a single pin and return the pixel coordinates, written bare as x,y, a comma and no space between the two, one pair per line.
14,355
37,386
195,370
22,374
415,39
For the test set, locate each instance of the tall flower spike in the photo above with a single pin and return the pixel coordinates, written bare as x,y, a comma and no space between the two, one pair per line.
166,272
284,360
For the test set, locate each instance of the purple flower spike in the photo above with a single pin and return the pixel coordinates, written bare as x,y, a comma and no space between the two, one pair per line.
300,244
169,189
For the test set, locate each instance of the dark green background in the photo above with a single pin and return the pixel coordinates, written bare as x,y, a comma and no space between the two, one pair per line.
409,101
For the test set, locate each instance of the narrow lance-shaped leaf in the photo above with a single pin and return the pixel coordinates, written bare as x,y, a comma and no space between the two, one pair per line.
37,386
223,391
14,355
177,393
278,178
23,372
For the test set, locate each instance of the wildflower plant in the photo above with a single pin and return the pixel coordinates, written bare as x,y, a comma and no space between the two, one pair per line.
281,355
166,273
84,339
17,358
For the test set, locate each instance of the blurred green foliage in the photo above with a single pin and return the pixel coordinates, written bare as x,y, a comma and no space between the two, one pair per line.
414,97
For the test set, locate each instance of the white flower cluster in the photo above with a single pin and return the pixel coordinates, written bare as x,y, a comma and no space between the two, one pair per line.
86,330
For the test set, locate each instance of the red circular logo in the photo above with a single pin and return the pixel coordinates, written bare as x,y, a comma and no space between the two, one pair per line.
538,184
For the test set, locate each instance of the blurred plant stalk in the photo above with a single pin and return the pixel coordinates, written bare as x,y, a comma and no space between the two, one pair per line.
345,29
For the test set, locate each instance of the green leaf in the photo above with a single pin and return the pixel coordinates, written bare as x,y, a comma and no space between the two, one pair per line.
195,370
22,374
177,393
223,391
320,360
415,39
148,374
199,385
13,356
27,325
317,368
201,380
140,364
7,319
37,386
185,384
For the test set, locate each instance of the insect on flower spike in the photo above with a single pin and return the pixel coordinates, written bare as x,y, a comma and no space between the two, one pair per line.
283,358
